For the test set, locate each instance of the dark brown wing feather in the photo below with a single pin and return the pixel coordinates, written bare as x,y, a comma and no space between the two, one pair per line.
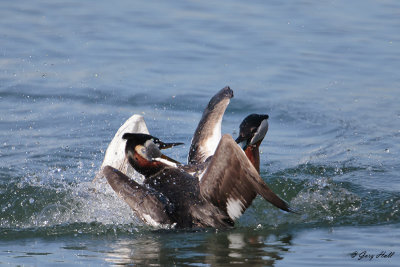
231,182
145,203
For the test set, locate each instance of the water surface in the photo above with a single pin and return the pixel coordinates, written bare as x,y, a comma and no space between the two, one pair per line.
326,72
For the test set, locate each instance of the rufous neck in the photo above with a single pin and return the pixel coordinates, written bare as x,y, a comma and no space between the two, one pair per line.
253,154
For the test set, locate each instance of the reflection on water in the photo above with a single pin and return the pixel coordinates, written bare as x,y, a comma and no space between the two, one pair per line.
257,247
210,248
144,250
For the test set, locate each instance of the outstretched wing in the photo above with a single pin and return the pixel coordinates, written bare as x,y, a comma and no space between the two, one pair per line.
115,153
208,132
231,182
145,203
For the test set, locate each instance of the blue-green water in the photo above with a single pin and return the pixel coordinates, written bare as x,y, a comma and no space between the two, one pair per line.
327,73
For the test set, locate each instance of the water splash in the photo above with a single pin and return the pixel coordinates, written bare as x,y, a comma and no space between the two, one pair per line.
333,195
65,201
323,200
32,203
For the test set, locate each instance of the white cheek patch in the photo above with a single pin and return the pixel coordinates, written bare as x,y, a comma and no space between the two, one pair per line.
141,150
234,208
261,132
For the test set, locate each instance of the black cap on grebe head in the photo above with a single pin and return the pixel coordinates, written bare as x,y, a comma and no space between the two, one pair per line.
141,139
252,129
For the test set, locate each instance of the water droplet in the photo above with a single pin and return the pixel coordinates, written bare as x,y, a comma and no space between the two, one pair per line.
31,200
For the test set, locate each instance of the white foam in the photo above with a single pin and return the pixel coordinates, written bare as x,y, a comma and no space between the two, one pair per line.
150,220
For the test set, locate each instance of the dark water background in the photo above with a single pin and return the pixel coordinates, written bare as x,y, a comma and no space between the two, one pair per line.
327,73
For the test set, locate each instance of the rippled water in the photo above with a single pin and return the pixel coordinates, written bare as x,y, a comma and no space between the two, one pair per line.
326,72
